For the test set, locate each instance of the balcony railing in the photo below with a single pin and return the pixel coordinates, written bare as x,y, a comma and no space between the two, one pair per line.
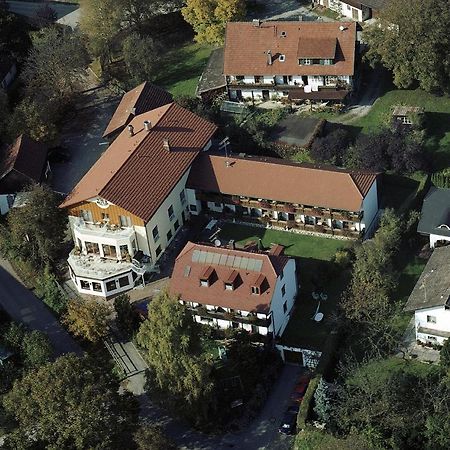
103,229
232,317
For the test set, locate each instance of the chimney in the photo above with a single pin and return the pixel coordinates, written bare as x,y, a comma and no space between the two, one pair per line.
256,23
269,58
131,130
147,125
166,145
231,245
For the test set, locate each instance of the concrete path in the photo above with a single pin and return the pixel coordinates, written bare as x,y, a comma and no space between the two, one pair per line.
23,306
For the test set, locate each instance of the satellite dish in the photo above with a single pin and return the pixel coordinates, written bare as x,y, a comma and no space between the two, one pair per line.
217,242
318,317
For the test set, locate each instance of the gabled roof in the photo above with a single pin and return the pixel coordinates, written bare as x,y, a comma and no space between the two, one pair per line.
433,287
139,100
245,269
276,179
247,45
21,163
137,172
435,217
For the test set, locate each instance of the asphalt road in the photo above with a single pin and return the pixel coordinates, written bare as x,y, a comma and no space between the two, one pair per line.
23,306
28,9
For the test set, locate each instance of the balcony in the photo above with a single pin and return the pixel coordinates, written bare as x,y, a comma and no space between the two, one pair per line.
103,230
249,320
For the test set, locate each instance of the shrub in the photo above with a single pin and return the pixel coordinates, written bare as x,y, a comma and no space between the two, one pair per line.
332,147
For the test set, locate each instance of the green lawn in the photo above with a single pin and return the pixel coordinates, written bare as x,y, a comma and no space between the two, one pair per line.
180,68
437,119
298,245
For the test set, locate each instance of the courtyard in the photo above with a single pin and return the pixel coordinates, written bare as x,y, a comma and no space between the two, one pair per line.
316,271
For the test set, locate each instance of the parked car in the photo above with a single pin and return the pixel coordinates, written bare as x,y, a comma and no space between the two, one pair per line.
58,154
288,423
299,392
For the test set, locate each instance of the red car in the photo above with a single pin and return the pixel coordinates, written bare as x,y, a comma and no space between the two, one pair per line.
300,388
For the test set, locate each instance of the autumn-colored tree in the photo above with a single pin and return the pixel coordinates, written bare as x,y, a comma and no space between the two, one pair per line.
210,17
87,319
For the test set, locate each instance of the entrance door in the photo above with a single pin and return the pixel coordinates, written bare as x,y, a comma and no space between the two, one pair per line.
355,13
305,80
239,94
265,94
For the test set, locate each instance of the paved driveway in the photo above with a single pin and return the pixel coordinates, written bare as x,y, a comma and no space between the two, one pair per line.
23,306
82,137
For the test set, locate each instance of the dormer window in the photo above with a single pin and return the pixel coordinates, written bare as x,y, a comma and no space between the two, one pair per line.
206,277
282,58
256,290
283,34
231,281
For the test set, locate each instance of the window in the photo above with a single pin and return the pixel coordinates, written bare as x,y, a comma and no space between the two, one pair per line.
281,275
285,307
305,61
282,58
111,285
123,282
124,221
155,233
204,283
109,250
158,251
85,285
183,197
92,247
170,212
169,235
283,290
105,217
406,120
193,208
255,290
97,287
239,77
86,215
258,79
432,338
229,286
330,81
123,251
431,319
176,225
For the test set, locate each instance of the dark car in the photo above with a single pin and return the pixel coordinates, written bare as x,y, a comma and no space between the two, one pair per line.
58,154
287,425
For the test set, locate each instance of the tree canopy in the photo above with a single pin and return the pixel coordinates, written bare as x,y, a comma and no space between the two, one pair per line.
87,319
172,343
413,42
70,403
210,17
36,231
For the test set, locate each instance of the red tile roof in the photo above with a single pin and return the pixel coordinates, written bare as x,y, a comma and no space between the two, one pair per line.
225,263
137,173
275,179
25,158
139,100
246,48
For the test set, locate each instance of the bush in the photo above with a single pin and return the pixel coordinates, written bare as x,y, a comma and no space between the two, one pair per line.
306,405
445,355
47,288
331,148
36,349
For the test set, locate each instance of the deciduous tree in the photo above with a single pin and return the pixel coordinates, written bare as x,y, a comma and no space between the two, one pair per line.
150,437
70,403
38,229
413,42
172,343
87,319
127,319
47,288
331,148
36,349
209,18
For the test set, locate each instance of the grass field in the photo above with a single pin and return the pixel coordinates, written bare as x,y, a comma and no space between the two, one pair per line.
437,118
298,245
180,68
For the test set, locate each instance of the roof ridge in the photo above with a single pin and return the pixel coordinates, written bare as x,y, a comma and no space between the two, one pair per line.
356,184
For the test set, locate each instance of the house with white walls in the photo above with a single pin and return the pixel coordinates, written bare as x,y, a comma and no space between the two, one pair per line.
358,10
131,204
435,217
22,164
430,299
229,288
290,60
284,195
